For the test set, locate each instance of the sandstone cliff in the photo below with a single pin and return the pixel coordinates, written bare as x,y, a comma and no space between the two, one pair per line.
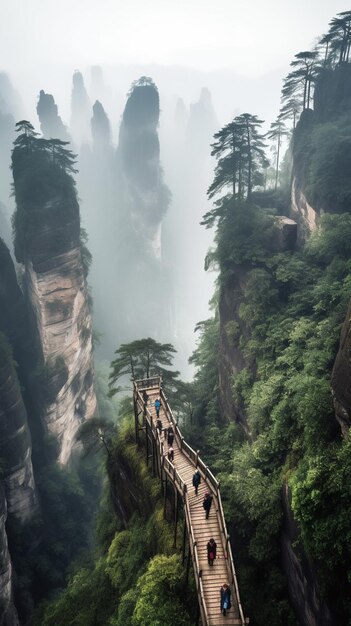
15,442
8,615
47,226
143,202
302,582
58,297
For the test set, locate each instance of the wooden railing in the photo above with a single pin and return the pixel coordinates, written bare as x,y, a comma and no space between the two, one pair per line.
209,478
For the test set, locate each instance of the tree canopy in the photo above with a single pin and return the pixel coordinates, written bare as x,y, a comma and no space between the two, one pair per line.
239,150
141,359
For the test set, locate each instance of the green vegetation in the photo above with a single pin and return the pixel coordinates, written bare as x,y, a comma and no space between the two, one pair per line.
141,359
136,578
292,306
323,151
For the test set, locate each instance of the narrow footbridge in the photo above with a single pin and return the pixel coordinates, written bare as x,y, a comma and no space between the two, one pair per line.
197,530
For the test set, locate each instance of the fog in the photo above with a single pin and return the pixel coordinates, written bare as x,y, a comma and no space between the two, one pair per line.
144,153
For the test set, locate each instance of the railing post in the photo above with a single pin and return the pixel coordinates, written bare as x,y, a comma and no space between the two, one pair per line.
175,516
188,563
153,455
184,540
197,619
226,546
136,419
197,457
165,497
147,442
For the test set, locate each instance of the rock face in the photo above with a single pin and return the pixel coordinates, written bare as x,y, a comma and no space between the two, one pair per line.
8,614
144,199
50,122
13,318
57,293
139,152
341,377
305,215
80,111
48,243
304,594
232,360
15,442
232,326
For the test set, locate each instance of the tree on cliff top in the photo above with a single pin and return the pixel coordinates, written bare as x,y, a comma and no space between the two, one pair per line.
298,83
42,172
338,39
276,132
239,150
139,359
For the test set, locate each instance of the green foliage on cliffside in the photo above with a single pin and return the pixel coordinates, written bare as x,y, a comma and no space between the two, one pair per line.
136,579
323,154
292,308
45,194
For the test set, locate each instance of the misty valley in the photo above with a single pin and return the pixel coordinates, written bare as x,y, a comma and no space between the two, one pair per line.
175,348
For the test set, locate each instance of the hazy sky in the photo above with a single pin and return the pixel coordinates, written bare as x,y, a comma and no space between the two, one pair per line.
250,36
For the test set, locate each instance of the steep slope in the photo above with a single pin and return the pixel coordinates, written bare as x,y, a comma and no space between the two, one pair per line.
143,201
48,243
8,615
15,444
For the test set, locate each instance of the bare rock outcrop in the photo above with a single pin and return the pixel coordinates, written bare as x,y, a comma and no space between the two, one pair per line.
303,213
301,578
58,299
8,614
15,442
48,243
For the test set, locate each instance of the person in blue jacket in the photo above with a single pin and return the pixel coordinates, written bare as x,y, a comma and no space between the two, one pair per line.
225,598
158,406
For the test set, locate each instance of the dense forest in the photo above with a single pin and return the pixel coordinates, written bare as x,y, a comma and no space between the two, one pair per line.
87,536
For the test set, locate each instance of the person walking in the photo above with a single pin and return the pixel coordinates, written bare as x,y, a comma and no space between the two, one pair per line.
196,480
171,454
145,400
159,426
157,406
207,503
170,436
225,598
211,551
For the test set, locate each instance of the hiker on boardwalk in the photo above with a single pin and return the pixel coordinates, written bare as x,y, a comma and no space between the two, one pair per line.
211,551
159,426
207,503
165,433
196,480
145,397
171,454
170,436
158,406
225,598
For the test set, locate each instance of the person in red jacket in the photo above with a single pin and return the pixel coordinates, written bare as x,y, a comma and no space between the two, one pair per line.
211,551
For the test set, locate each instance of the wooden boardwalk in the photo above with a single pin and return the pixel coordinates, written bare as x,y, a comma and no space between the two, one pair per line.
209,579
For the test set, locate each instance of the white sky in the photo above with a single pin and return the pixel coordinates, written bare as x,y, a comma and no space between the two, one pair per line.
248,36
240,50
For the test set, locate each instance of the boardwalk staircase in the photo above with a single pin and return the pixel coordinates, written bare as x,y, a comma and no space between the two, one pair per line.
197,530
